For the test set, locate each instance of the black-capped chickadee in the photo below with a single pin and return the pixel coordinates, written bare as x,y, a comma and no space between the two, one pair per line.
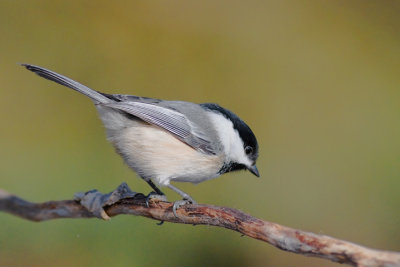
166,141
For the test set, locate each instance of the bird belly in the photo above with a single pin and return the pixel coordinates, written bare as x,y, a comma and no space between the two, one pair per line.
156,154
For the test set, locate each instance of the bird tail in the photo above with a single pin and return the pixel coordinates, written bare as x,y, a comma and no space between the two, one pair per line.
58,78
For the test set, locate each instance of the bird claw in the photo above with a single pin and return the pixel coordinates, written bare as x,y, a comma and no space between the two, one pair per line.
154,196
180,203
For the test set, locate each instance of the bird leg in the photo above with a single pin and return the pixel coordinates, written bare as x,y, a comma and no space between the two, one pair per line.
179,203
157,191
157,194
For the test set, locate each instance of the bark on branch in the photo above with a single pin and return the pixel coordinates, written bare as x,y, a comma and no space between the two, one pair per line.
280,236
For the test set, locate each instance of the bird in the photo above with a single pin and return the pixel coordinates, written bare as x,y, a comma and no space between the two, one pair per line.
166,141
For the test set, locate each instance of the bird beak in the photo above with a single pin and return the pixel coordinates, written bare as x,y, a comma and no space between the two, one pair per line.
253,170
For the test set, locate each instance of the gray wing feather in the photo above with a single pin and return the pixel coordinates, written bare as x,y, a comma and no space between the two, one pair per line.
168,119
147,109
63,80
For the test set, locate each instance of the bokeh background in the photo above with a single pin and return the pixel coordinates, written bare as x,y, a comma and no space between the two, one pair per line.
318,82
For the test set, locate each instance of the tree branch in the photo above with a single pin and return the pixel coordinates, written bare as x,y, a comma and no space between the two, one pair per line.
280,236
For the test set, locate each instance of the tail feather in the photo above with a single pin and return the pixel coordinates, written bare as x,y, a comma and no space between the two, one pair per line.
58,78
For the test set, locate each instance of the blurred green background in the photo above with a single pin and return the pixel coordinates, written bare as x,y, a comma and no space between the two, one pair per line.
318,82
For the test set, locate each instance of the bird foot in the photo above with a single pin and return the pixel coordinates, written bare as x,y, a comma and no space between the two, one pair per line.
154,196
94,201
179,203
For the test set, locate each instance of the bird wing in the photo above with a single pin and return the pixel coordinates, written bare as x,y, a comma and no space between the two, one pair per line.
168,119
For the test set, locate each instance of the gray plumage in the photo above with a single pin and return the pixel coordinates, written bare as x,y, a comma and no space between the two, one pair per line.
168,141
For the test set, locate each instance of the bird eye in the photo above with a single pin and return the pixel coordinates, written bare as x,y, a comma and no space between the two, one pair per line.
248,150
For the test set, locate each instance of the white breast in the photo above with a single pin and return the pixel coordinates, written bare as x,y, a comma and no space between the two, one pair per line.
156,154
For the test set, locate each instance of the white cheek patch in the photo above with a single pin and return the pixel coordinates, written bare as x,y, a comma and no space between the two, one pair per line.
230,139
